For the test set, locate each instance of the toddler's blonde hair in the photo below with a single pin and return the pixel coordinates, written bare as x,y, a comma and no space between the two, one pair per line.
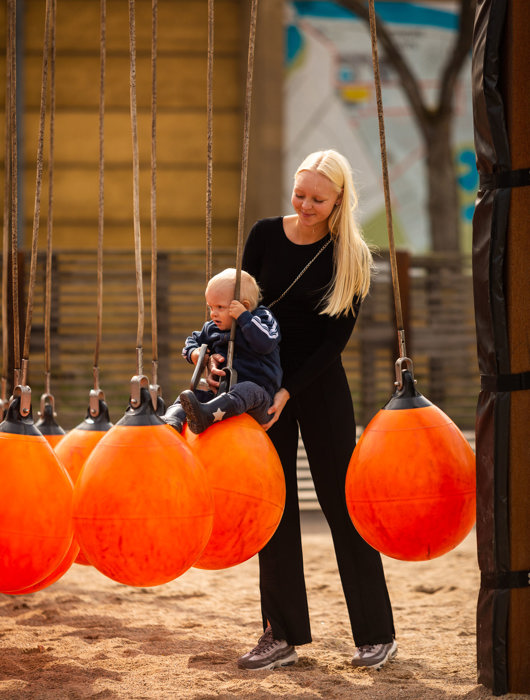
249,290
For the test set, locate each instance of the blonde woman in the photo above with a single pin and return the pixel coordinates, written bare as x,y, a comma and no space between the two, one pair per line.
313,268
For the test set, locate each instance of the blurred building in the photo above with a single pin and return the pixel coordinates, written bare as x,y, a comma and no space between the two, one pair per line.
181,118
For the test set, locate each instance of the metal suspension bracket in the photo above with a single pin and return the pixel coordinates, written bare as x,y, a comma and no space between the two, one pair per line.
400,369
155,391
228,381
199,367
47,399
96,394
94,398
24,392
138,382
230,376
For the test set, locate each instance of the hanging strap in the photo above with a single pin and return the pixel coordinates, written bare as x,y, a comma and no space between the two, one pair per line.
243,188
202,360
505,179
96,395
300,274
519,381
505,579
49,228
38,188
154,388
136,190
209,151
386,188
12,71
5,232
101,194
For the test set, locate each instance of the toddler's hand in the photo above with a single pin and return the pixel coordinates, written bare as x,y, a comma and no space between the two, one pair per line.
236,308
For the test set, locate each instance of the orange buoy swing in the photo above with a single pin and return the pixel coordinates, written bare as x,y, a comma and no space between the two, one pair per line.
143,506
248,487
243,467
74,449
36,528
36,498
410,485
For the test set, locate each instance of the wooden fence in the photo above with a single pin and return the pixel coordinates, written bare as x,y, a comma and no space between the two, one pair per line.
438,305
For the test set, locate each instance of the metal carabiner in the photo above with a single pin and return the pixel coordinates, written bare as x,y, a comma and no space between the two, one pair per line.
155,390
138,382
47,400
24,392
400,369
94,398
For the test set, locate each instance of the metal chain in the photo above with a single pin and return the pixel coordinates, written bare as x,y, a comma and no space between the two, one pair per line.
300,274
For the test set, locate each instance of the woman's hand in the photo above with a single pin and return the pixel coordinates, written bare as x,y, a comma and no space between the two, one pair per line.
215,374
280,399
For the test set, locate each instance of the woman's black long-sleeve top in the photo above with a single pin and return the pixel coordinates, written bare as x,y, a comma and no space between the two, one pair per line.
311,341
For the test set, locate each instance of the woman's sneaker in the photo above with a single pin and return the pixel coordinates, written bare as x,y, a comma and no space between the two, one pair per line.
268,653
374,655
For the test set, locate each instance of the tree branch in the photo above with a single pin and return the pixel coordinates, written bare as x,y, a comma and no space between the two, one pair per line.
457,57
409,83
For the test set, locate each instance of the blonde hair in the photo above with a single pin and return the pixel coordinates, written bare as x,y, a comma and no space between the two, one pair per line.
352,258
249,290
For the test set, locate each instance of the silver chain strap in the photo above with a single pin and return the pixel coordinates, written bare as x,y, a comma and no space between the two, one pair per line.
300,274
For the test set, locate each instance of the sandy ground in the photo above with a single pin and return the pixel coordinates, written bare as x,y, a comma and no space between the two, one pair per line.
89,637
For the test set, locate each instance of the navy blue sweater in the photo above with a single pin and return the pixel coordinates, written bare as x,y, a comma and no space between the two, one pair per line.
256,347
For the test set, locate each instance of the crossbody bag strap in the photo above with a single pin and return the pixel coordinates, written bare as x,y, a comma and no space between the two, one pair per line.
300,274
